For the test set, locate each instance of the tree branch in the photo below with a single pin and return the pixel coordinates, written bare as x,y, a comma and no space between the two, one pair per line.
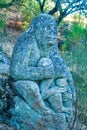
61,17
74,4
73,8
41,4
55,9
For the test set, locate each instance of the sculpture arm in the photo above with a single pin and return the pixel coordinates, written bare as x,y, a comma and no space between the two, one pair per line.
24,60
32,73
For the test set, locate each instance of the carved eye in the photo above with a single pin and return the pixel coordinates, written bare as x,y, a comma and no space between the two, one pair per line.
38,24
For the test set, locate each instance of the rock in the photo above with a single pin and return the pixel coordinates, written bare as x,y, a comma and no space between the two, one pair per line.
5,127
4,64
4,94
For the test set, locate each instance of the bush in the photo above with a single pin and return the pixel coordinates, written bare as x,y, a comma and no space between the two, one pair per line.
76,36
29,8
74,51
76,59
2,22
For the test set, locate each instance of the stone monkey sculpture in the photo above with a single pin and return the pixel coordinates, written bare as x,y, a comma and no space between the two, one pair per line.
36,84
31,46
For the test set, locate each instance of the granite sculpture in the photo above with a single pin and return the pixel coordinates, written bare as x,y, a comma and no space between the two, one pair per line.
42,84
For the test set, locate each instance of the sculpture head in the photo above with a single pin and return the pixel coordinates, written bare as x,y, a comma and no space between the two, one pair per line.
45,30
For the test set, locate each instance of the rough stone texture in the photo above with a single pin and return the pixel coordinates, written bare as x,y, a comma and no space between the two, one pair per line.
5,127
4,88
43,86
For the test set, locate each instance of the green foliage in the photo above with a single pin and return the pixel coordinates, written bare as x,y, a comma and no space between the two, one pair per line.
2,22
76,58
77,62
49,5
74,51
64,46
76,36
5,1
2,1
29,10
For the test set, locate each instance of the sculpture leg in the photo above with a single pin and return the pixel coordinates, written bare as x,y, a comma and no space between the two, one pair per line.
29,92
67,102
55,102
29,110
54,98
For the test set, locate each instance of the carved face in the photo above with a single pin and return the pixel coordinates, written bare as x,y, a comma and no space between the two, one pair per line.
49,35
45,29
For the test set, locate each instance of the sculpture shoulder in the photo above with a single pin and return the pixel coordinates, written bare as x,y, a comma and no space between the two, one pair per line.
20,43
26,50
